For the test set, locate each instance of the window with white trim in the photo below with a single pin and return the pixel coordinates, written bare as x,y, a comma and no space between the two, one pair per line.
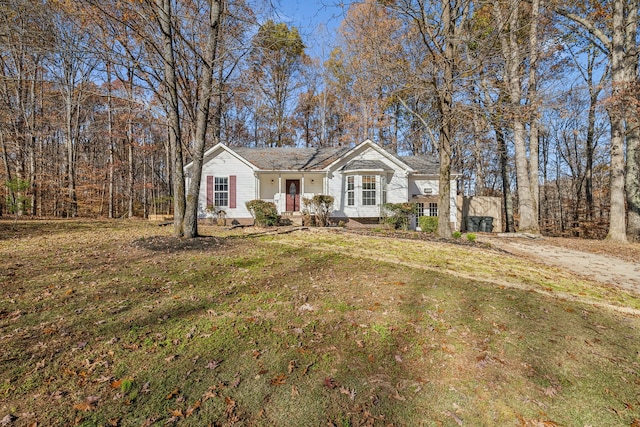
433,209
221,191
383,187
351,193
368,190
420,209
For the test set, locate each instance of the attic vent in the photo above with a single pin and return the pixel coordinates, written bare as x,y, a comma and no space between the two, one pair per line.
427,190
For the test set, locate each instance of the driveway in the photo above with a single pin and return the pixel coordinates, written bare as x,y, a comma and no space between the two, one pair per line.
601,267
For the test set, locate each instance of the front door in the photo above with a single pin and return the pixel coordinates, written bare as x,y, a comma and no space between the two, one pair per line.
293,195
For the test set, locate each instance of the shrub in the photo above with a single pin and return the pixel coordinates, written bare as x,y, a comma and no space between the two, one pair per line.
428,224
457,234
397,215
321,205
471,237
264,213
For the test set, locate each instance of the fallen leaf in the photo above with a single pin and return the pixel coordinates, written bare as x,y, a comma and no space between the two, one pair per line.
279,379
294,391
236,381
230,405
116,384
210,394
114,422
292,366
173,394
83,406
176,413
306,368
8,419
213,364
193,408
456,418
330,383
350,393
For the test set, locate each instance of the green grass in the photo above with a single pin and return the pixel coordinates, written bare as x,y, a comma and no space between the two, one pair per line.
117,323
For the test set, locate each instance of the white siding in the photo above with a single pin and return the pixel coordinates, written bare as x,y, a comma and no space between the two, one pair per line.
225,164
397,186
416,187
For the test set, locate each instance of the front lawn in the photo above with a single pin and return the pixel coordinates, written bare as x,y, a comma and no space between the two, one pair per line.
117,323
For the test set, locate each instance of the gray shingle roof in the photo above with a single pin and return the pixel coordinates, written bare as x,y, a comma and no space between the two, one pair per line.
287,158
309,159
368,165
422,164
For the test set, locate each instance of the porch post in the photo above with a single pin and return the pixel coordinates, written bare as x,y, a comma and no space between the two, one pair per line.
301,190
280,194
258,191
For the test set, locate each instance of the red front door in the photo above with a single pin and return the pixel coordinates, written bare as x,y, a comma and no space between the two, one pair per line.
293,195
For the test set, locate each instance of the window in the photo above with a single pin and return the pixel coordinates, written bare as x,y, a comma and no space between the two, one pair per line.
383,186
433,209
351,194
221,191
420,209
368,190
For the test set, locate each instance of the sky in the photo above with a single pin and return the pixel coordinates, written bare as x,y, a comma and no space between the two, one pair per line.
316,20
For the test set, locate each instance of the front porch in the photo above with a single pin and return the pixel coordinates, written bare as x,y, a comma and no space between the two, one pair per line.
288,190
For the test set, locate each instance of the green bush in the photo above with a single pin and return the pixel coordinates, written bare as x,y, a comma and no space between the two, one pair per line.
457,234
397,215
471,237
428,224
264,213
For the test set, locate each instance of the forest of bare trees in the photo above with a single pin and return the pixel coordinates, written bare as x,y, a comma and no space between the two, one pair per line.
102,102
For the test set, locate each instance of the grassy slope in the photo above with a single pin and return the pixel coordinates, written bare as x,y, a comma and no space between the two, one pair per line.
119,324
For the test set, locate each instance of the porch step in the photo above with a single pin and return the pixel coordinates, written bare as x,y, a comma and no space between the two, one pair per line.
294,217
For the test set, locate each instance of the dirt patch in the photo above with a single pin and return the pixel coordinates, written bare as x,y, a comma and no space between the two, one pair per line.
611,263
175,244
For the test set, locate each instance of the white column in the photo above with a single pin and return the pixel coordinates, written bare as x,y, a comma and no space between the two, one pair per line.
280,209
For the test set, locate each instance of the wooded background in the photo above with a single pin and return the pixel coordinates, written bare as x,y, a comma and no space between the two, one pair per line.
102,102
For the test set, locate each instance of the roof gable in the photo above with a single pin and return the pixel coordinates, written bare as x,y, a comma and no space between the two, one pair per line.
215,151
363,147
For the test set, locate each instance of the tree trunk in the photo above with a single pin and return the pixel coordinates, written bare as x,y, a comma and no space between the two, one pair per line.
110,136
202,118
173,120
130,142
590,141
511,51
72,210
632,184
445,104
507,199
534,126
617,225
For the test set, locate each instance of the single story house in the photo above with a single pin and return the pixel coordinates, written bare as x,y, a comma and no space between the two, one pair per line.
361,179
